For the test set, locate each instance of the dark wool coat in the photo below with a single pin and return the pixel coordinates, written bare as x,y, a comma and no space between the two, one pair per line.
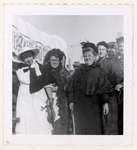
112,69
120,57
89,90
114,72
38,82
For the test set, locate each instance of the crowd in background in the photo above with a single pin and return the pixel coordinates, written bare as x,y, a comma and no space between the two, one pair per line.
85,100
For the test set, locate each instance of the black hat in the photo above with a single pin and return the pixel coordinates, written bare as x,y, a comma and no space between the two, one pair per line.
111,45
120,39
89,44
103,43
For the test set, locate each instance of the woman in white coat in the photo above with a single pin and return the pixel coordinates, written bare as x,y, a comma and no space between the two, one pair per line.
33,119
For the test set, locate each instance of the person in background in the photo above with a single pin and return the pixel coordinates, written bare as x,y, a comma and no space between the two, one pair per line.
15,88
114,74
33,120
76,64
120,50
88,89
16,64
119,87
111,49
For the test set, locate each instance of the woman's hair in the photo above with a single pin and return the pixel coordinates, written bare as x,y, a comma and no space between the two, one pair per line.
54,52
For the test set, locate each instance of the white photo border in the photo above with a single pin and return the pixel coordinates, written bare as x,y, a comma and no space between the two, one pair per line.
126,12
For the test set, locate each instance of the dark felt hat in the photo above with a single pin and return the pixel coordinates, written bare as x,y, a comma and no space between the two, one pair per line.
111,45
103,43
88,44
120,39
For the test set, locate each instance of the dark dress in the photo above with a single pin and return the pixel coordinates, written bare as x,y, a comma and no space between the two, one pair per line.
61,126
89,90
59,78
120,99
114,73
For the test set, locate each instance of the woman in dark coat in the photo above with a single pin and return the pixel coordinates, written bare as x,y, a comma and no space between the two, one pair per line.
89,90
56,75
114,73
55,60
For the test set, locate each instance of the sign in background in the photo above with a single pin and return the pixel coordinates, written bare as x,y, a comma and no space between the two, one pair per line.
26,35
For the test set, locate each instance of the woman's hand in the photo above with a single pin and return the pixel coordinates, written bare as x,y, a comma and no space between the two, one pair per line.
54,88
118,87
105,109
71,106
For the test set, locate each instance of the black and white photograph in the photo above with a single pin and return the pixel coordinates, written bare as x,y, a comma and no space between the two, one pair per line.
67,72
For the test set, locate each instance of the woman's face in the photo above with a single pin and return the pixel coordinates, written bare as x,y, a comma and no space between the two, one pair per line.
54,61
28,57
102,51
28,60
89,57
121,47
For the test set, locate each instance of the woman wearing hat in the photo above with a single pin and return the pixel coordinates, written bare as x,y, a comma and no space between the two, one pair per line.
29,105
119,87
54,62
89,94
113,71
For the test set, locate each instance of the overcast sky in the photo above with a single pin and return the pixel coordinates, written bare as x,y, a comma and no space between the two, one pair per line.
74,29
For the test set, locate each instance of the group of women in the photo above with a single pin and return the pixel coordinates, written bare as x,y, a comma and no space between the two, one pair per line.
51,100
